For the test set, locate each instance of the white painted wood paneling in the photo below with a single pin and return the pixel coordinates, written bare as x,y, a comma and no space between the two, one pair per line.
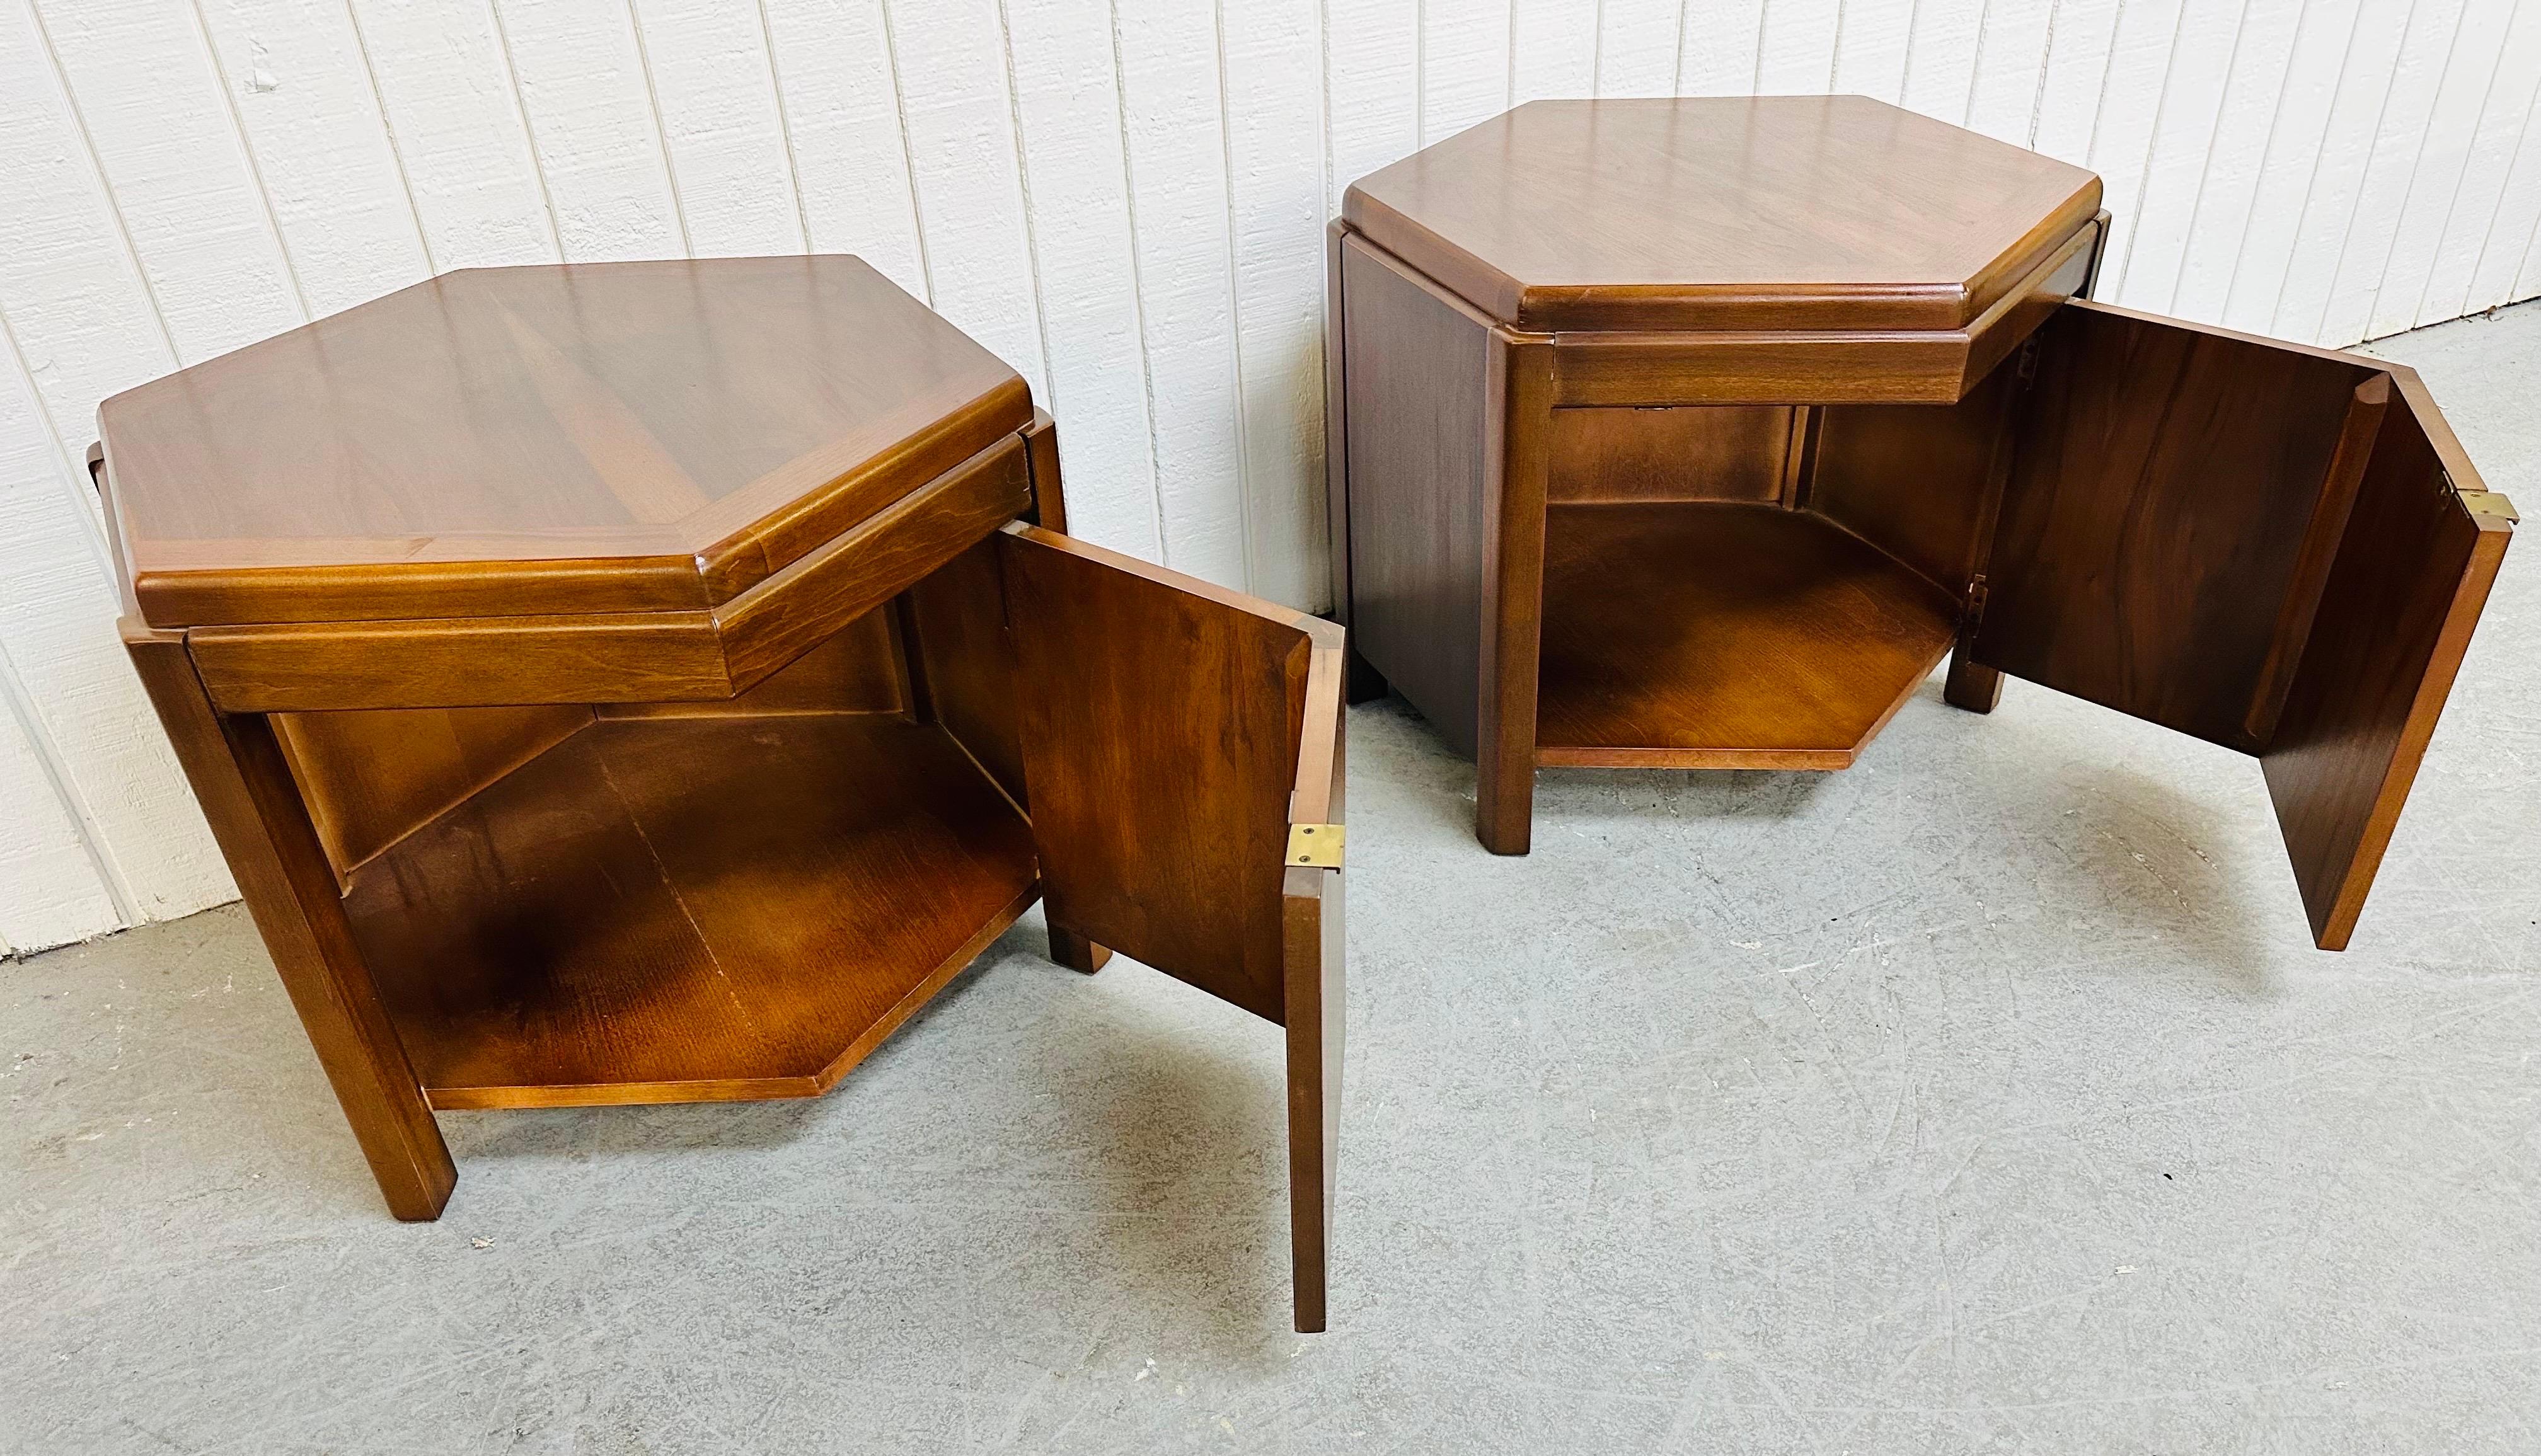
459,129
714,93
1177,147
1124,198
1067,101
1553,48
588,106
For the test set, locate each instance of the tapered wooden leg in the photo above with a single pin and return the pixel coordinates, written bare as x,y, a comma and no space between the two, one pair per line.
1970,686
1513,597
1503,802
1313,939
238,770
1075,952
1363,683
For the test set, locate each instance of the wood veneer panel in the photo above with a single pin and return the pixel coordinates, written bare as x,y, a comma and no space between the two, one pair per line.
1911,478
857,671
461,662
1723,213
588,438
1722,453
2155,512
966,655
688,909
2412,572
1312,931
1724,636
788,613
1161,722
369,778
1422,428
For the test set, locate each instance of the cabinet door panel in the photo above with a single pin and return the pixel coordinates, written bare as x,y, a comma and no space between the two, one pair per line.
2277,548
2413,568
2163,481
1172,734
1164,726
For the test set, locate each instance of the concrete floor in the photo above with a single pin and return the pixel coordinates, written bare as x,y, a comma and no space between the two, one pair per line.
1985,1097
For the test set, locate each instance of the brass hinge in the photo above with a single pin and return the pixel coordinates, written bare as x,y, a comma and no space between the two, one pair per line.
1316,845
2489,503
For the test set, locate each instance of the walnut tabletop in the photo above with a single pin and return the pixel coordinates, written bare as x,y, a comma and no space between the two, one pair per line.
596,437
1723,213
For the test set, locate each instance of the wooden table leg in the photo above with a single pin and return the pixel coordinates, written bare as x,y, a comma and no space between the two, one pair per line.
1312,936
1518,470
1075,952
1970,686
238,770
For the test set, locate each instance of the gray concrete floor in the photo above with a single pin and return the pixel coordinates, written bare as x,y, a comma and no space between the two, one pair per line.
1985,1097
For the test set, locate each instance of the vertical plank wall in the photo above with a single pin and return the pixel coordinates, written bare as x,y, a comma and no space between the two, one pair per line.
1121,197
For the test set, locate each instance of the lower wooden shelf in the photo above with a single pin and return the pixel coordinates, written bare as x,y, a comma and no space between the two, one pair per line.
1716,636
689,909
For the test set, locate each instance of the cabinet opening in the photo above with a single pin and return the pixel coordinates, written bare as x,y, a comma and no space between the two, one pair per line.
695,901
1756,587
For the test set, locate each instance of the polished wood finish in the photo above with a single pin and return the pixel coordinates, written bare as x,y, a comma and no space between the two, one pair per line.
688,909
243,780
1163,825
2168,520
370,779
1727,452
1161,831
1517,469
2321,540
1725,636
613,685
1913,479
1423,419
2160,491
623,657
1723,214
589,438
1311,904
2413,566
1639,367
967,654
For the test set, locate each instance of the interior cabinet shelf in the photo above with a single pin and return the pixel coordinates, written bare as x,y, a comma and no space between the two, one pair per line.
1700,635
687,910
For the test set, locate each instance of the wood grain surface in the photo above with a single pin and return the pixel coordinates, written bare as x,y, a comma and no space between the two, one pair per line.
2155,512
1727,452
2413,570
578,439
688,909
1724,636
1422,428
1160,728
1723,213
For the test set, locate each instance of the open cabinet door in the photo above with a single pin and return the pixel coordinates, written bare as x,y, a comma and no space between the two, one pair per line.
2420,549
1182,750
2252,542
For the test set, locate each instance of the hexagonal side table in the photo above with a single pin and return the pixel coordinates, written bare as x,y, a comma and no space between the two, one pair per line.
653,682
1694,433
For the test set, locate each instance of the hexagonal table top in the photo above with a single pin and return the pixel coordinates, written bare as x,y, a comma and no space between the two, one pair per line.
610,436
1728,213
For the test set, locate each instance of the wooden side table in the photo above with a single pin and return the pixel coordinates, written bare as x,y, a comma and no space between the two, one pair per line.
1694,433
652,682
